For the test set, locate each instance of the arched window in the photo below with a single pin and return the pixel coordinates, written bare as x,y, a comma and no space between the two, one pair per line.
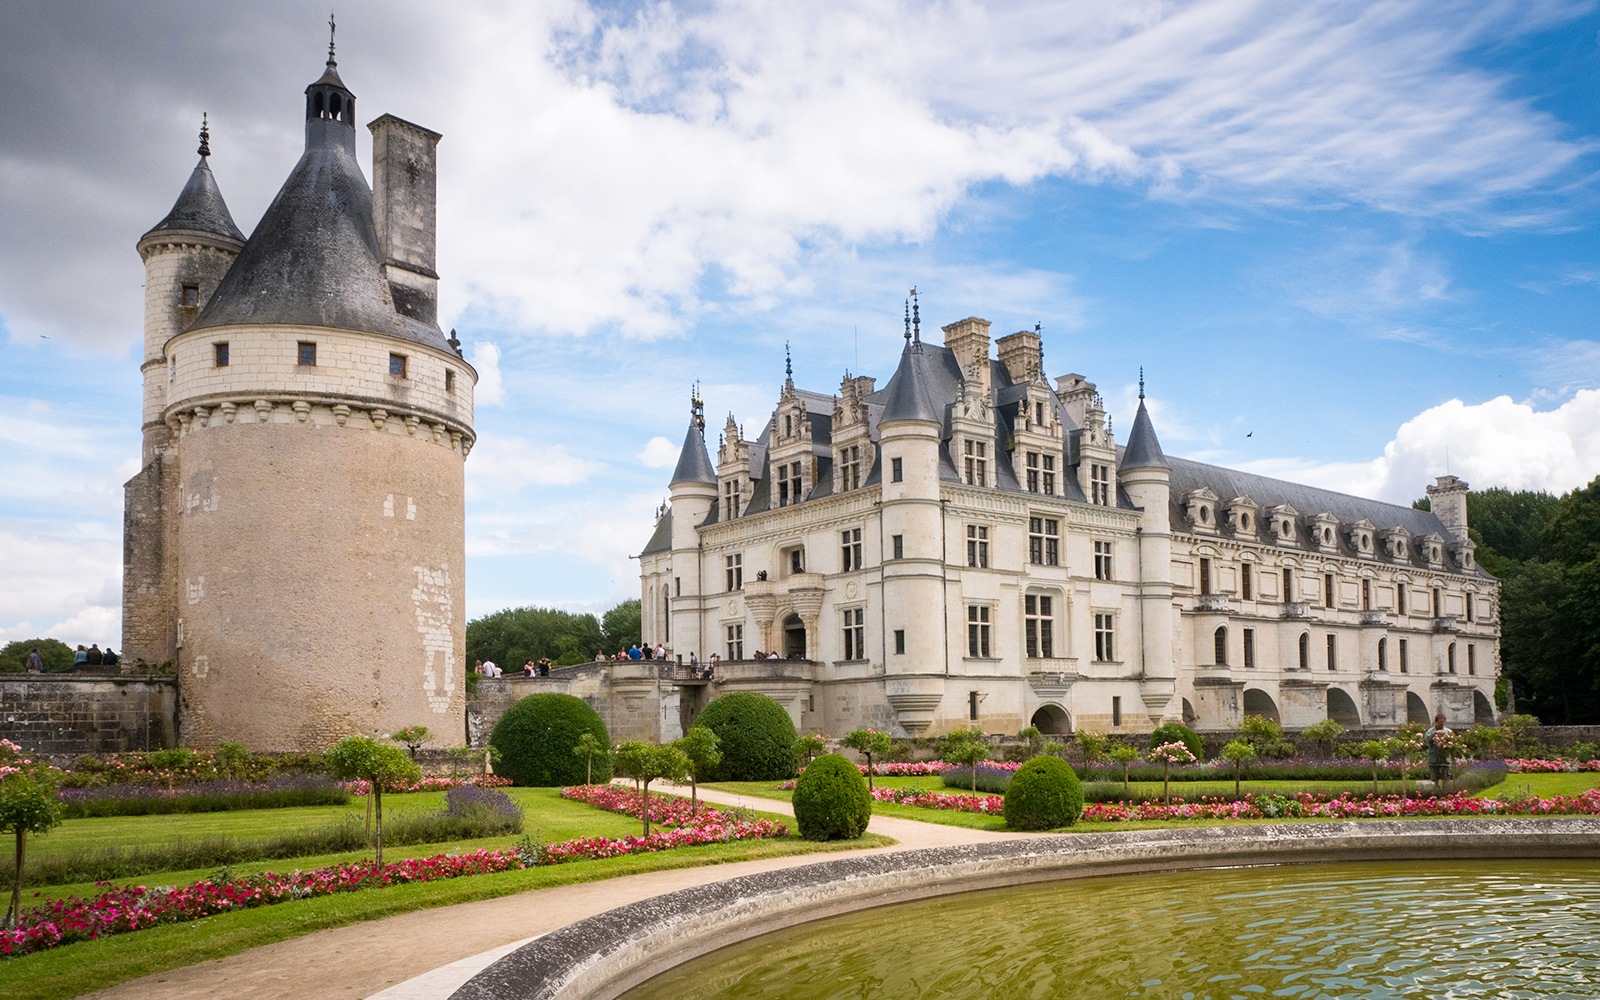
1383,654
1305,651
1220,639
317,105
1450,658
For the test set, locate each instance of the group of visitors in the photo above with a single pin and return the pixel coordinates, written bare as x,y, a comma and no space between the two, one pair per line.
634,652
540,669
94,656
487,668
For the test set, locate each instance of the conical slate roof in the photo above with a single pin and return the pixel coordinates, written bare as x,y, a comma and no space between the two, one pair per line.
694,465
200,208
1143,451
909,394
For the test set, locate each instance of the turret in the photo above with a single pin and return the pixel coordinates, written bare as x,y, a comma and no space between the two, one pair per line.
694,481
1146,477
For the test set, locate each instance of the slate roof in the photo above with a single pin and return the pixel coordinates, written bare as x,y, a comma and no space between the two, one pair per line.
927,379
661,540
199,208
1143,451
694,465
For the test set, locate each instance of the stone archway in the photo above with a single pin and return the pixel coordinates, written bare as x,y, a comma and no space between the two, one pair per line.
1052,720
1189,715
1416,708
1482,709
1342,709
794,638
1258,702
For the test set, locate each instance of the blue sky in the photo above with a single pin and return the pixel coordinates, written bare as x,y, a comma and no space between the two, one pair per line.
1351,244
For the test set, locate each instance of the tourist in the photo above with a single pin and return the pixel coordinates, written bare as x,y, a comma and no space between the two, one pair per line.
527,669
79,656
599,656
489,669
661,651
111,657
772,656
35,664
693,662
1437,740
544,667
94,658
635,653
477,668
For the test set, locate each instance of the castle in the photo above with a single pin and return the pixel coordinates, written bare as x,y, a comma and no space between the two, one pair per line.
294,542
970,545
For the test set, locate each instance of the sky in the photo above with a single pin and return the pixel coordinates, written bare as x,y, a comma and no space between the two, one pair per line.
1350,244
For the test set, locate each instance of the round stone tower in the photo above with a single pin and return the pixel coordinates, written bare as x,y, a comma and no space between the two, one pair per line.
319,421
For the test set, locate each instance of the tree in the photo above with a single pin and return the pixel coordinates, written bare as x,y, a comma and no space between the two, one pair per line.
701,746
1405,747
1124,755
1095,746
1265,735
1033,737
1169,754
1322,732
646,762
413,737
1374,751
516,635
588,748
27,805
57,655
231,758
1239,753
364,758
623,625
967,748
869,742
807,747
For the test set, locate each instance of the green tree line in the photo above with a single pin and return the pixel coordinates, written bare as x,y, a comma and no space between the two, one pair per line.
516,635
1546,552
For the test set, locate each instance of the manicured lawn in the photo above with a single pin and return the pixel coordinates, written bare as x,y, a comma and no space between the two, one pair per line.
1545,785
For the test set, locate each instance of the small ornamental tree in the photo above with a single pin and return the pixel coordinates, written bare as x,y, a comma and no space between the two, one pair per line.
1406,747
868,743
1373,751
831,801
1168,754
1044,793
588,748
231,758
364,758
1238,753
1322,732
171,760
703,750
1124,755
966,748
1033,738
1095,746
646,762
1266,736
27,805
1175,732
413,737
807,747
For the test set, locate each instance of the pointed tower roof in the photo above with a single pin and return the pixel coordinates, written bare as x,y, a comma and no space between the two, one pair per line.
200,208
1143,451
694,465
313,259
909,394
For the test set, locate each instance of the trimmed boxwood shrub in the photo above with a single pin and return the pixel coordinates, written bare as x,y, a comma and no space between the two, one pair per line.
1174,732
831,800
535,738
1044,794
757,737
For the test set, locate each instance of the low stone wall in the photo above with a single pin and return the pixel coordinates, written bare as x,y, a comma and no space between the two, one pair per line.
71,714
636,700
606,955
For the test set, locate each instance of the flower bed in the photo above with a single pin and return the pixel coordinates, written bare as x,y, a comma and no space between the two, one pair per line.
363,787
1343,807
202,796
991,805
1536,766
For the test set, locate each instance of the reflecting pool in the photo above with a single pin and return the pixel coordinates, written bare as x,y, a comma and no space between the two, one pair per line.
1343,932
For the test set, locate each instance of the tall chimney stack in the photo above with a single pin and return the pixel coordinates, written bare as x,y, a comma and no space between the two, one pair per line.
405,180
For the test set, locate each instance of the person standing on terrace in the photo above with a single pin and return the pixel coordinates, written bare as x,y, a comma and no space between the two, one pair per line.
1437,740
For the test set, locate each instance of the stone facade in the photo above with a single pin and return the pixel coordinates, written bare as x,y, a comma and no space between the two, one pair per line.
972,545
59,716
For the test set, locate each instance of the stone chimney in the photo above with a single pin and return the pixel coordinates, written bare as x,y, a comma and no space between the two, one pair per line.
1076,393
1022,354
968,340
404,210
1448,500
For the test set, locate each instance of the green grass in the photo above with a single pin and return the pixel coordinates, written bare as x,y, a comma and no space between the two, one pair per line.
1545,785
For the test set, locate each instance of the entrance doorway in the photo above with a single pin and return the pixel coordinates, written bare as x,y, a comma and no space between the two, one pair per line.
794,638
1052,720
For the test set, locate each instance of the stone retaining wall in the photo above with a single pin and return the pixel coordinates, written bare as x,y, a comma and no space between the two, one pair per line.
605,955
71,714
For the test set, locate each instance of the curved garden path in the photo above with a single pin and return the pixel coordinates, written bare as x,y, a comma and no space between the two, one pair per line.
427,954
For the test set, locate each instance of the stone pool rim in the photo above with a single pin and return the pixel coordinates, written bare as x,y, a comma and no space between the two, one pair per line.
606,955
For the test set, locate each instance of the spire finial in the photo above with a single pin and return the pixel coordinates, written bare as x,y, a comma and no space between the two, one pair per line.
788,362
697,407
908,321
1141,383
916,317
331,29
205,135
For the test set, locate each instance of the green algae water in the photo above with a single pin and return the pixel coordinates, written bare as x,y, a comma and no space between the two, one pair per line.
1342,932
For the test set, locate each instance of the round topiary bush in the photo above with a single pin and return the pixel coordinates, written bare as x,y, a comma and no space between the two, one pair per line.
757,737
831,800
535,738
1044,794
1173,732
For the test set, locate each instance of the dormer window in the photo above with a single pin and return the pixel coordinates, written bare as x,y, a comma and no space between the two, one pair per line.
1205,515
1200,504
977,463
1100,484
850,468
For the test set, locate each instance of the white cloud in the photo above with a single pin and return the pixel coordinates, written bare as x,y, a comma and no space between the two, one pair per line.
71,576
490,390
659,453
1497,443
501,466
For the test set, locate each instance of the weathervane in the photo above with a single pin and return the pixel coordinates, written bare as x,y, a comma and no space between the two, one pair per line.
331,29
1141,383
916,316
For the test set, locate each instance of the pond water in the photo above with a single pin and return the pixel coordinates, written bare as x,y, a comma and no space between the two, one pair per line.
1343,932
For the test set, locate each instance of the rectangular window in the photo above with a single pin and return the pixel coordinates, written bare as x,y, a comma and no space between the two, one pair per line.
977,463
1366,595
972,706
797,561
1333,653
1100,484
1405,666
1469,610
397,365
899,544
788,484
1438,606
1044,541
1033,471
449,380
190,296
1450,658
1246,588
308,353
850,549
1102,561
783,492
978,546
1116,710
731,497
850,468
677,586
220,354
978,630
1400,599
1039,624
1327,590
1288,585
1049,475
896,472
855,633
1472,659
900,641
1105,637
1250,648
1205,575
735,642
733,566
